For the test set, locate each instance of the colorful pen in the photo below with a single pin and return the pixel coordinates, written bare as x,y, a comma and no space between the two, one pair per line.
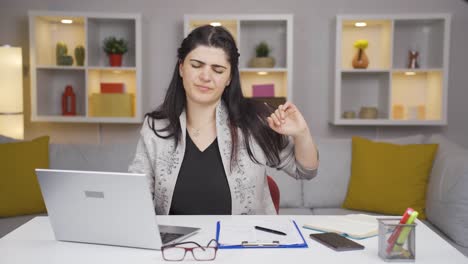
393,237
270,230
405,232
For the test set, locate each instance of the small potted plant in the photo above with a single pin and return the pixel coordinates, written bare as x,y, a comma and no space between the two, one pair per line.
360,60
79,55
262,59
62,57
115,48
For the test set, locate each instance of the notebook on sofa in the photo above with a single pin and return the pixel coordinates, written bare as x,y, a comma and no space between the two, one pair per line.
357,226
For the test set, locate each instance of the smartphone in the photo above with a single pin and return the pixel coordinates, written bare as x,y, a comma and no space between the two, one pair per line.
336,242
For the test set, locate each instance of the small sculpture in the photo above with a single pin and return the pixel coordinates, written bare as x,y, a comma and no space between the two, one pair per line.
413,59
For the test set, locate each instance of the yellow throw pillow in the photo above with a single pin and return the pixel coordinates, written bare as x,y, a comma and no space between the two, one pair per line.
388,178
19,190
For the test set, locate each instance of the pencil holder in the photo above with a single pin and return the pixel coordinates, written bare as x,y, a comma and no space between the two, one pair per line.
397,242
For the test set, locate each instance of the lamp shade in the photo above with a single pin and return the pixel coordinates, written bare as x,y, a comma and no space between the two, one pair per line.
11,80
11,92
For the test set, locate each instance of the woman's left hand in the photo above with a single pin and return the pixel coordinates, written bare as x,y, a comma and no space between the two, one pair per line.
288,120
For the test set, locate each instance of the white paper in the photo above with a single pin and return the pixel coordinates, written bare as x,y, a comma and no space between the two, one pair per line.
234,232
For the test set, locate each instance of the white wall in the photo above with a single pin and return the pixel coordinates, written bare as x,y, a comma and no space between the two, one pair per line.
313,57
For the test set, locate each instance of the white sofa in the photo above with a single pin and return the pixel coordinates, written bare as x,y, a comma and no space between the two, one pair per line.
447,198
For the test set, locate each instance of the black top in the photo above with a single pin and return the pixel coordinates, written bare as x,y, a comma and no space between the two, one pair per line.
201,187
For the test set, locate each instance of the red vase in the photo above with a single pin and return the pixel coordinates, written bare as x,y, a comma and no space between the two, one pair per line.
68,102
115,60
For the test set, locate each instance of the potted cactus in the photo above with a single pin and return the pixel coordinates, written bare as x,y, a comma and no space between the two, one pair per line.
115,48
62,58
79,55
262,59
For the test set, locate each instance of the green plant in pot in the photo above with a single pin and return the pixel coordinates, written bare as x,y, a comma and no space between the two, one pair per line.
262,59
80,55
360,60
61,54
115,48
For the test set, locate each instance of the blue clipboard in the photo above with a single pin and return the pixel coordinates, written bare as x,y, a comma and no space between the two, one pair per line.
260,245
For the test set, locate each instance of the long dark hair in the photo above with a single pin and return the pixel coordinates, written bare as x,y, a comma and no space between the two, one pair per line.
246,114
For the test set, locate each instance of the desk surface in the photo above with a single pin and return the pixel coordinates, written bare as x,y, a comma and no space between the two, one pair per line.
34,243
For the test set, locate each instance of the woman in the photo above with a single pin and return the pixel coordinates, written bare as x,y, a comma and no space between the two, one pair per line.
206,148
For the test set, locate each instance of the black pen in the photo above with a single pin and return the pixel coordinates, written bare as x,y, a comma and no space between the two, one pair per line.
270,230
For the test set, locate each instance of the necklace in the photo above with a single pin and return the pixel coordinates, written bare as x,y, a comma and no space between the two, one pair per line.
196,131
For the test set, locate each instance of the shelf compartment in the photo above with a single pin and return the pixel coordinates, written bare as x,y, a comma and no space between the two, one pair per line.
363,89
274,33
425,36
230,24
377,32
97,101
417,97
101,28
51,84
48,30
278,79
111,105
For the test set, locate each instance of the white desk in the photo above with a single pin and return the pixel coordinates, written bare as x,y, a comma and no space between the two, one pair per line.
34,243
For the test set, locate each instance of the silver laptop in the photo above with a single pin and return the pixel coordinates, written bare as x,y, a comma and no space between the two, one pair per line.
105,208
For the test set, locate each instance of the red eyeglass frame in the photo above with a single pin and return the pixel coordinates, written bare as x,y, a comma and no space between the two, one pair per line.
190,249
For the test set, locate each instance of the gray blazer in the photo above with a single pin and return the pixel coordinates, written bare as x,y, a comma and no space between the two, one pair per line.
160,161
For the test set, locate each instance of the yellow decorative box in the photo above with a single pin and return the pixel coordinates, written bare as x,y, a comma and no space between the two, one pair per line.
111,105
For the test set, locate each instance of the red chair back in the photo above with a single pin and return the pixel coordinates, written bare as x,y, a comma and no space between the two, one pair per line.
275,193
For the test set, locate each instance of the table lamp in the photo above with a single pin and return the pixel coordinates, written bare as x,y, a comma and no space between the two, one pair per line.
11,92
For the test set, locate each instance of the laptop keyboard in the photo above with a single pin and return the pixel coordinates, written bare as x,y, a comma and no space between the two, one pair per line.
168,237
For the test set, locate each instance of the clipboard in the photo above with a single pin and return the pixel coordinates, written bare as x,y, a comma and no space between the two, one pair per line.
265,244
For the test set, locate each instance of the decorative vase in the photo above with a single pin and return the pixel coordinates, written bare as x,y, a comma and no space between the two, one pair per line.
360,60
68,102
262,62
115,60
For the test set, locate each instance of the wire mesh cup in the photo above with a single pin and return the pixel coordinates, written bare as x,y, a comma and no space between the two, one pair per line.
397,242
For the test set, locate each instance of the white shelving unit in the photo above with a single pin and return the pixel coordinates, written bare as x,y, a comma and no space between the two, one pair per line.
48,80
248,31
403,96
